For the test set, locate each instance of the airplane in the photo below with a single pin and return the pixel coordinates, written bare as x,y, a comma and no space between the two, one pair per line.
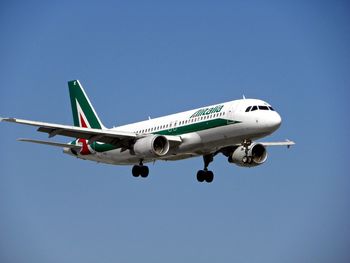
229,128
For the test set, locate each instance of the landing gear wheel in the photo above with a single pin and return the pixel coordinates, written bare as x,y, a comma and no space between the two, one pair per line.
140,170
245,159
205,175
136,171
209,176
144,171
200,176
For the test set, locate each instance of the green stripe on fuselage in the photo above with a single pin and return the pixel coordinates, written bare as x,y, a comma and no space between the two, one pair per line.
193,127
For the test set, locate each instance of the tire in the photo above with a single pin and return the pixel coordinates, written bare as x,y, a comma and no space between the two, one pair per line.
200,176
144,171
136,171
209,177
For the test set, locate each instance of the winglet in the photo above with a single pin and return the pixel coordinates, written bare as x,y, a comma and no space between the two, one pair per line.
290,143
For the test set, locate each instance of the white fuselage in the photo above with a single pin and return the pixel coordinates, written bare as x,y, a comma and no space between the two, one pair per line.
202,131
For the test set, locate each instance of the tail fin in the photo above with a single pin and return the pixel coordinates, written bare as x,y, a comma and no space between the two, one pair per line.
84,114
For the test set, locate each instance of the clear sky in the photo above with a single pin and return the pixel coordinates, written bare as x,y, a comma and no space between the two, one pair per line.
140,59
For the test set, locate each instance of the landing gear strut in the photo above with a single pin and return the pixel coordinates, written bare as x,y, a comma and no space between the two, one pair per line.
246,159
205,174
140,170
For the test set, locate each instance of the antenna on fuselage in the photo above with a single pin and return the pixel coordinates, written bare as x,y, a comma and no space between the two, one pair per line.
243,97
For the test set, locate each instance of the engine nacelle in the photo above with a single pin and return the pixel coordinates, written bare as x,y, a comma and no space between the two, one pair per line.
256,155
151,146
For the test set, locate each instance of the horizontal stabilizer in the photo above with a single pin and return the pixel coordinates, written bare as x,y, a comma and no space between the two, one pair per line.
57,144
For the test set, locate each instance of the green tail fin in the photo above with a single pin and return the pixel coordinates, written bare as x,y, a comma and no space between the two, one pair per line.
84,114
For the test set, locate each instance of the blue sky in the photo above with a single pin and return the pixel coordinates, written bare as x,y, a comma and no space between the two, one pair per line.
140,59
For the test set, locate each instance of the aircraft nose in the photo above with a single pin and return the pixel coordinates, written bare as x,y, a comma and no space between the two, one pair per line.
275,121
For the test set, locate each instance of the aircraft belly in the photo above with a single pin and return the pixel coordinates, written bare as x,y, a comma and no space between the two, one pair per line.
119,156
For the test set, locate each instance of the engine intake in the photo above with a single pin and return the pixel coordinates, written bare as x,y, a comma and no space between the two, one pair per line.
255,156
151,146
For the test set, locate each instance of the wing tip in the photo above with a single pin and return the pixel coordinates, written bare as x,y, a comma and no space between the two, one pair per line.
8,119
290,142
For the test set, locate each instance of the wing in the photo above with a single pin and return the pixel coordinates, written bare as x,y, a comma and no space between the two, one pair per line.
116,138
287,143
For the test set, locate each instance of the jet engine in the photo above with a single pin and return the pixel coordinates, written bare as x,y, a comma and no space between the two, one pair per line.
151,146
255,155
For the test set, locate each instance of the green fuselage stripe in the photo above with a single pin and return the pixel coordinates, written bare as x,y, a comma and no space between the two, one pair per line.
192,127
195,127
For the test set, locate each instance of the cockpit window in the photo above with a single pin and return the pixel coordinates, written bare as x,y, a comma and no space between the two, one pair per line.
263,108
260,107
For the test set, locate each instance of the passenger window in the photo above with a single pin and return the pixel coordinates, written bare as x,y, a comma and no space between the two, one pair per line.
254,108
248,109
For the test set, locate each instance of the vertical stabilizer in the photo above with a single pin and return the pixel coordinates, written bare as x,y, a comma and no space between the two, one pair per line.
84,114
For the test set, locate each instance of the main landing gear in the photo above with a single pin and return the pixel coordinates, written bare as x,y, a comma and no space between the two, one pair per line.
246,159
205,174
140,170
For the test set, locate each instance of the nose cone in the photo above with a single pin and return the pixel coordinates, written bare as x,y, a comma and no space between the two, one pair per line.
274,121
